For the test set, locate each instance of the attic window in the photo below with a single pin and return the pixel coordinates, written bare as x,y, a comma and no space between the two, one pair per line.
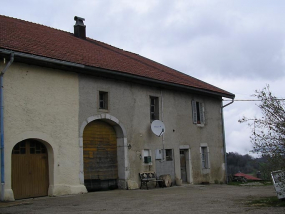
103,100
154,108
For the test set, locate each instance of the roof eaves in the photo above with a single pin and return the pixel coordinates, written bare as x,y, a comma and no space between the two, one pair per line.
80,68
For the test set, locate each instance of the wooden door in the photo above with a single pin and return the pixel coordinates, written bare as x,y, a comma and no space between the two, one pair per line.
183,165
100,156
29,169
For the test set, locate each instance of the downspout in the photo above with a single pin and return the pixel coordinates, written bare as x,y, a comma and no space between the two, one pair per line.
2,126
224,139
163,151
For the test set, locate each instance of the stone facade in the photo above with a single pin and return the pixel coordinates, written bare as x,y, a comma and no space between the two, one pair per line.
130,104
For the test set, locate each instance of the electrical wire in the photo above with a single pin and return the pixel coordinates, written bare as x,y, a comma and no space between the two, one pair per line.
250,100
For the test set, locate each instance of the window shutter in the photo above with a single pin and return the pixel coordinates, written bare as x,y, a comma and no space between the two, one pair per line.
208,155
194,112
201,109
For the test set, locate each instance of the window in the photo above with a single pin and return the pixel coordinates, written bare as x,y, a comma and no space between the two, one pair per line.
154,108
37,148
204,157
20,148
29,147
103,100
168,154
198,112
147,156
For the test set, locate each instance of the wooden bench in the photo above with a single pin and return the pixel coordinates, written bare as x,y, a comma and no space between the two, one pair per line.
148,177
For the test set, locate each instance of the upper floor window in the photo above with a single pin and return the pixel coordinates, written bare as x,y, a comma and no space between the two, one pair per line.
198,112
103,100
154,108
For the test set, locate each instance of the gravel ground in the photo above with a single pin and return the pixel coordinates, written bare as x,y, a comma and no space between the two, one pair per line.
176,199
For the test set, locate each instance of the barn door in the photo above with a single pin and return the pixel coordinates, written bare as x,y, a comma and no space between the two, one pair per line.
29,169
100,156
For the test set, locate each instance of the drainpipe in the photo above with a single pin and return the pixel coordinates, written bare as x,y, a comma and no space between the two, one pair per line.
2,126
163,151
224,139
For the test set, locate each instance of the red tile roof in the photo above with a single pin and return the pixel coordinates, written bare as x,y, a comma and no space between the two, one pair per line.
30,38
248,177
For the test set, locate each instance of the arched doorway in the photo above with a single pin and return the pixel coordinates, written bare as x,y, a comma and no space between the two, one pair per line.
30,169
100,156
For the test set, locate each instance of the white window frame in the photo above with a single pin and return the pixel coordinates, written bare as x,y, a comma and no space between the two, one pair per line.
146,152
205,156
198,112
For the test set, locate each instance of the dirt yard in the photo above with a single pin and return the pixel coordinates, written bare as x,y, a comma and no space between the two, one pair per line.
178,199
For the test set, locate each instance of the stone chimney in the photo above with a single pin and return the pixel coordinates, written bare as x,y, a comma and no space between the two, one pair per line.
79,28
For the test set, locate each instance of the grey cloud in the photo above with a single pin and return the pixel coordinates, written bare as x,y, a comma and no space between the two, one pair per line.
237,45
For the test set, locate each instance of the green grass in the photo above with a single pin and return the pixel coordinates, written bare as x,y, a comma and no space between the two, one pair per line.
267,183
267,202
234,183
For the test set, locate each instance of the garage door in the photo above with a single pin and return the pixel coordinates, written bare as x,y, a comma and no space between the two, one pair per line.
29,169
100,156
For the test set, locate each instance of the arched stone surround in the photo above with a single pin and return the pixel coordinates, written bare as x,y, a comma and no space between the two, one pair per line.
122,148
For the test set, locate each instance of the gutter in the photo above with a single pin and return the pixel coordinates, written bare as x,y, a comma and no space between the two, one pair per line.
224,140
80,68
2,126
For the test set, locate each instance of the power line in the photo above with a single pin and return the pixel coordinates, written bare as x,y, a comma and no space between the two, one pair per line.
250,100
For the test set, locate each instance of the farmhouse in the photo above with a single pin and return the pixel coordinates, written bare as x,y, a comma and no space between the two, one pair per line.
76,116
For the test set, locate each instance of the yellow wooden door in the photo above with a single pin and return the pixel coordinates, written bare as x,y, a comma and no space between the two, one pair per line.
29,170
100,154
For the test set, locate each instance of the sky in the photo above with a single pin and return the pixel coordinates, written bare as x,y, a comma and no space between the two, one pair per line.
236,45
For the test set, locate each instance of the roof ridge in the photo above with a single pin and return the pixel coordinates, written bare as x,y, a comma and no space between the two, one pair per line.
35,23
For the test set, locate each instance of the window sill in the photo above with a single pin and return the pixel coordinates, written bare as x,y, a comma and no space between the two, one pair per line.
147,164
103,110
200,125
205,170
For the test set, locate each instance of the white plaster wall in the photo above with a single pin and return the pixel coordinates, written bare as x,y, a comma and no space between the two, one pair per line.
43,103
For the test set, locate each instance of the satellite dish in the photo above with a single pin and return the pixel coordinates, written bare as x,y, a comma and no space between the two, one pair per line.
157,127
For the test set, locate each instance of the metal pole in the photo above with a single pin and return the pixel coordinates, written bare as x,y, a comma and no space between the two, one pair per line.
224,140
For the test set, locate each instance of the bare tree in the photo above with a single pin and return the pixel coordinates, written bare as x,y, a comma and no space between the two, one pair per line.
268,132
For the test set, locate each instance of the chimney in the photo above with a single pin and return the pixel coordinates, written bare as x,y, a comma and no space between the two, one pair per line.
79,28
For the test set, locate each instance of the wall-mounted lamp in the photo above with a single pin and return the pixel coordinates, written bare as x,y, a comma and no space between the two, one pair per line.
129,146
